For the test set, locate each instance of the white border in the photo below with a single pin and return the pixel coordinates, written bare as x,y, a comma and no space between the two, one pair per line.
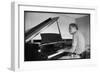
18,40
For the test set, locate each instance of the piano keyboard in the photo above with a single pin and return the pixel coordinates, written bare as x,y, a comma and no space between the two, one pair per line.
49,57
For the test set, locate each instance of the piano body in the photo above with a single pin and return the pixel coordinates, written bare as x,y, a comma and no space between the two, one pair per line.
46,48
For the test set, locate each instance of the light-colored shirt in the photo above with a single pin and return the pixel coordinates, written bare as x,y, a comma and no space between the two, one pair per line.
78,45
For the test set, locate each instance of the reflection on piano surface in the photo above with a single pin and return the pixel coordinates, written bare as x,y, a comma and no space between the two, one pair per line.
47,47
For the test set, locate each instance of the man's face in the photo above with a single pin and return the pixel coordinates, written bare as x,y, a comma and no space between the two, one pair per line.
72,30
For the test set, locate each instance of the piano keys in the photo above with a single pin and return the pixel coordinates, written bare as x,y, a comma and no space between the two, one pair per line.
55,54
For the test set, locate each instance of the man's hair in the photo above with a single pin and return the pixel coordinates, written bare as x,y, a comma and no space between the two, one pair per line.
73,25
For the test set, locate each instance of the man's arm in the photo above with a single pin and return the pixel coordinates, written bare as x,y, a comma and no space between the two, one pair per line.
74,44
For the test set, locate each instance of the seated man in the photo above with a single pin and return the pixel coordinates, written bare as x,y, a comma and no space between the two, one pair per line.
78,43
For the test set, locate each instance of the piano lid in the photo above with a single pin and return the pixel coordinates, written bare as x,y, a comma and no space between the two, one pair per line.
39,28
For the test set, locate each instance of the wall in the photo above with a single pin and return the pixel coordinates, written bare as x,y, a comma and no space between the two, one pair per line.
5,30
84,27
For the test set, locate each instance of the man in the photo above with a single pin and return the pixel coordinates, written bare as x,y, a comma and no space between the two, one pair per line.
78,43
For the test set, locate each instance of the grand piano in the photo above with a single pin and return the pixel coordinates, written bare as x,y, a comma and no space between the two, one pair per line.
47,47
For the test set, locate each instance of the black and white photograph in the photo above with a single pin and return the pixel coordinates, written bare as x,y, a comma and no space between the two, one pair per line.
45,37
56,36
